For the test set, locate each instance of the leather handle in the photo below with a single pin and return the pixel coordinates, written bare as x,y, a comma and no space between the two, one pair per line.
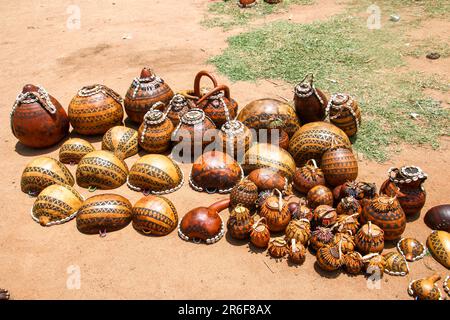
217,89
199,77
219,205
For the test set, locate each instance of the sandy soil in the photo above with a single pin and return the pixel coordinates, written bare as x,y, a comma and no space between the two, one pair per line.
38,48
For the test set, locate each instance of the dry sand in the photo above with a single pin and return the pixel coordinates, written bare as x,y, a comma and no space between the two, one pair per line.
165,35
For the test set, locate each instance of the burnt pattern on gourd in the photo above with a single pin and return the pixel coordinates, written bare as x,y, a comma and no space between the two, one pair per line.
438,243
101,169
104,213
42,172
344,112
144,92
56,204
308,176
386,213
155,173
313,139
122,141
154,215
411,249
74,149
339,165
425,289
95,109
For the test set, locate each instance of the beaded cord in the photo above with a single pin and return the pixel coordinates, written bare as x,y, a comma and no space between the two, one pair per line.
88,91
147,84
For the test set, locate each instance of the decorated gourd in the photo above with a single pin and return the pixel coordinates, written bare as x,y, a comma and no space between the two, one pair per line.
325,215
178,106
102,170
374,264
154,215
95,109
313,139
425,289
370,239
347,242
56,204
319,195
267,179
155,173
104,213
353,262
329,258
240,223
122,141
263,155
144,92
406,184
278,248
37,119
438,218
215,171
236,138
191,132
277,137
349,206
343,111
396,264
299,210
42,172
347,223
298,230
203,224
386,213
308,176
74,149
297,252
339,165
244,193
321,237
411,249
218,105
156,130
310,103
438,243
260,234
260,114
275,210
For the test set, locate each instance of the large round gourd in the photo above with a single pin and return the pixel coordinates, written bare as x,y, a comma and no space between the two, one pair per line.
313,139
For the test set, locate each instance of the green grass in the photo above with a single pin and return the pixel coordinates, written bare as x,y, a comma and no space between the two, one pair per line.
424,8
345,56
227,14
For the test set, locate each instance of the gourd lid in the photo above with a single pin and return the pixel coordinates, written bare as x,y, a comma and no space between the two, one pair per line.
154,116
193,116
339,99
233,127
178,102
279,242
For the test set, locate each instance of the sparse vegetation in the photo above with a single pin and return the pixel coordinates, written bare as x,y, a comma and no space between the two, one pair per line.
346,56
